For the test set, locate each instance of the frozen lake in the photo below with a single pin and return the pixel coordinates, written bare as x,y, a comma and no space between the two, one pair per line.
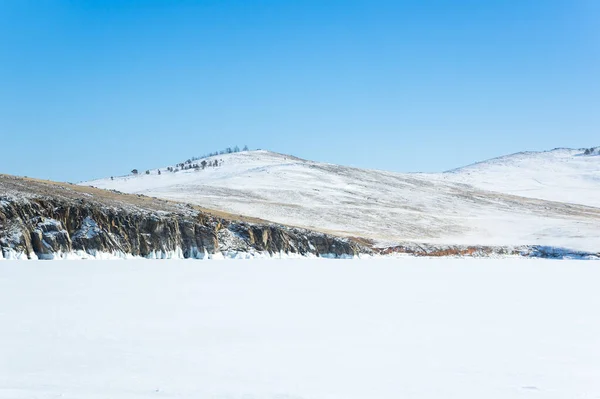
300,329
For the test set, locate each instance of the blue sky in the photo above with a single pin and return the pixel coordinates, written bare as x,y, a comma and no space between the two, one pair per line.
96,88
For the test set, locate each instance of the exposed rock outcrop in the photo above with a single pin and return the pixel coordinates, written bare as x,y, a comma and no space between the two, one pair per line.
530,251
48,220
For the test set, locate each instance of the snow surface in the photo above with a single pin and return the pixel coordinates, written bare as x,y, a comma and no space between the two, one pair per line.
565,175
384,206
300,329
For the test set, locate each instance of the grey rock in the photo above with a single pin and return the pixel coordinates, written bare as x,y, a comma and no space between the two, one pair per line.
41,218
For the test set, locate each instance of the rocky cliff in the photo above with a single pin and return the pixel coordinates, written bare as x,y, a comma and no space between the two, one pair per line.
46,220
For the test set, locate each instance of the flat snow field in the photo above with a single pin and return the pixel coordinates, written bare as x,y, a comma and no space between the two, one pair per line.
292,329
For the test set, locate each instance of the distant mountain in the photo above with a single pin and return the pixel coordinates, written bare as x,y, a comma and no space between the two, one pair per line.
565,175
457,207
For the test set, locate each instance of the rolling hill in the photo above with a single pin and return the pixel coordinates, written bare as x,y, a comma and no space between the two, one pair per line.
563,174
455,207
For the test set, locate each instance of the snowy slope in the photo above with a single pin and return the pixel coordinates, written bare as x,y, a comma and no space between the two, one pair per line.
302,329
386,207
564,175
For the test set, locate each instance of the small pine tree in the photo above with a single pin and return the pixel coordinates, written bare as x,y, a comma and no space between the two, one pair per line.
135,171
245,148
236,149
147,172
587,151
159,172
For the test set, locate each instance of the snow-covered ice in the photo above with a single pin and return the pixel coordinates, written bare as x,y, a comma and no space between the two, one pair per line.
300,329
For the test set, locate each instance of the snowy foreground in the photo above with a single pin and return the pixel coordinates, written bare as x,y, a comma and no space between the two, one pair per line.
300,329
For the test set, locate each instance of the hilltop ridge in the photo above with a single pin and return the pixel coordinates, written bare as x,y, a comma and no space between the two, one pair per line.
562,174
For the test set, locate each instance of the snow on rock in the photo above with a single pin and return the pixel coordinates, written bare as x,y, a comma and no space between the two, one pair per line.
89,229
49,238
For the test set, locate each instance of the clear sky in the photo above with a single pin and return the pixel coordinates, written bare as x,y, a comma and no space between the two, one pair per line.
95,88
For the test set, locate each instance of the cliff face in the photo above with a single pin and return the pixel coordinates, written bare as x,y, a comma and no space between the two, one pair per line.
46,220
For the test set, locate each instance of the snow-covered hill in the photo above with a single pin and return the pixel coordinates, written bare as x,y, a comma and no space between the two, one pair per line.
563,174
383,206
